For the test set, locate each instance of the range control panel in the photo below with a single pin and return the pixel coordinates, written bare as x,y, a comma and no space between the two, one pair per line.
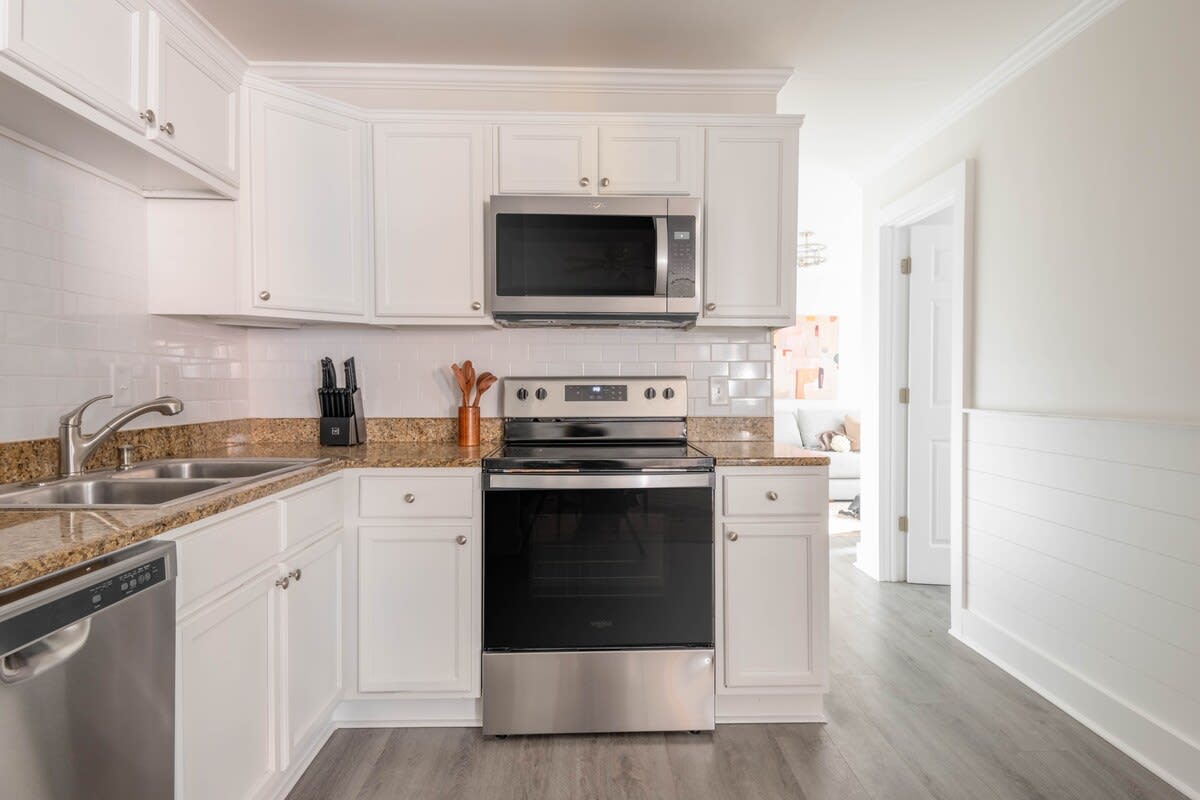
594,397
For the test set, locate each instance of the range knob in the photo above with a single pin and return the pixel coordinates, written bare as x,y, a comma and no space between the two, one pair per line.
541,393
522,393
649,394
668,393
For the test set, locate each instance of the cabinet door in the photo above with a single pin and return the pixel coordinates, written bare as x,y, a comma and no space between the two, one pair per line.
547,159
94,49
226,698
776,603
647,159
312,628
195,101
415,596
750,226
309,208
430,190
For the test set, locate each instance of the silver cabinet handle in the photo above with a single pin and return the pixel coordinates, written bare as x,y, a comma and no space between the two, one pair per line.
605,181
168,129
772,495
476,305
584,181
460,539
264,295
284,582
147,116
710,307
408,498
295,574
732,536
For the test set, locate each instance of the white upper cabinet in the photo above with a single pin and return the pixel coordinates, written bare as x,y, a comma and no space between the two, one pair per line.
547,159
308,208
96,49
585,159
648,159
750,226
195,101
430,194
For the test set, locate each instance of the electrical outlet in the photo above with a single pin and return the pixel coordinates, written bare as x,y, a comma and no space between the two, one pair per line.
166,380
122,385
718,390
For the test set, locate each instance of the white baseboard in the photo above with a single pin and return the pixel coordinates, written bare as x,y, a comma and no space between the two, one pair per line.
296,769
770,708
1176,760
448,713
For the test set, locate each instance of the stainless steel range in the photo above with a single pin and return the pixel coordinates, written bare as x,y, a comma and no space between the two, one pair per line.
598,561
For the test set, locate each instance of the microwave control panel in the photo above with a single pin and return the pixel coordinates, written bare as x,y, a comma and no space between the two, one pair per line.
681,256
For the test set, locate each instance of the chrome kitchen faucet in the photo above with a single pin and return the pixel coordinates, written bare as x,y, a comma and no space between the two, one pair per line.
75,447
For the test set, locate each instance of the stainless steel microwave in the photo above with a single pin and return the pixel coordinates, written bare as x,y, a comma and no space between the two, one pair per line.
594,260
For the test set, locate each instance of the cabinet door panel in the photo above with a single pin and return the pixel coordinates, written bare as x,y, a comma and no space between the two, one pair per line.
429,208
227,734
415,599
750,226
313,636
195,99
647,159
95,49
775,595
547,159
308,195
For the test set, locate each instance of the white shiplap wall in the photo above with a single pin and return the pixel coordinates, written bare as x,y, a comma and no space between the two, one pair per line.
1083,573
405,373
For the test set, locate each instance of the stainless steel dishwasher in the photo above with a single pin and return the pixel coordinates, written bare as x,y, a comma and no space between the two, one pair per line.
87,680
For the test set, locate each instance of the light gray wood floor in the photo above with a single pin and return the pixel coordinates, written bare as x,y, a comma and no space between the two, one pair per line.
912,714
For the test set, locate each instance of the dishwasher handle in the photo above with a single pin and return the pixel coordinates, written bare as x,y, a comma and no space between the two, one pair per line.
46,653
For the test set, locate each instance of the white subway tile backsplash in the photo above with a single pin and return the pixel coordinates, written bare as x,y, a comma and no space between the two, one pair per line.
693,352
729,352
747,370
760,352
621,352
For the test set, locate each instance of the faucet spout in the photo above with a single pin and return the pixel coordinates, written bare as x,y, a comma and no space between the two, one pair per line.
75,447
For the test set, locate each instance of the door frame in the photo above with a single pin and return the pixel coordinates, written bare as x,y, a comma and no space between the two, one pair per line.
883,551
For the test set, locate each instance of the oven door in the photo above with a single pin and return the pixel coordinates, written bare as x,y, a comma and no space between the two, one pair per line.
595,562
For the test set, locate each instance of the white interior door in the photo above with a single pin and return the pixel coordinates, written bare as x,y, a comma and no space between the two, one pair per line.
930,312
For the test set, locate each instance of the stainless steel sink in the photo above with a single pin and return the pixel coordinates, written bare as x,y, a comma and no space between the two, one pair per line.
152,484
223,468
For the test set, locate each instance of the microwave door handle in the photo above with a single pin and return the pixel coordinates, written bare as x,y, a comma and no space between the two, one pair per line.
661,260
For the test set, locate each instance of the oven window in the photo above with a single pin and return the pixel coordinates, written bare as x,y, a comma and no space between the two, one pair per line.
598,568
574,255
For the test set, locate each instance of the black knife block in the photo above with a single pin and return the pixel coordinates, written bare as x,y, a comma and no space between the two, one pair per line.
346,431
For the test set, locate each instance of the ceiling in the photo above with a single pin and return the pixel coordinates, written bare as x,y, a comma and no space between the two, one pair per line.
868,72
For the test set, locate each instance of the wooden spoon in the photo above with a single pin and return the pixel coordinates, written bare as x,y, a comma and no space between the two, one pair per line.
485,382
461,377
469,370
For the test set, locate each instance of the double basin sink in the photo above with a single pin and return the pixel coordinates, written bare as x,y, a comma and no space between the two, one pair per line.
150,484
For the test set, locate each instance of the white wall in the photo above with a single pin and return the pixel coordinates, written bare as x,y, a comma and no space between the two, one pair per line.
73,302
405,373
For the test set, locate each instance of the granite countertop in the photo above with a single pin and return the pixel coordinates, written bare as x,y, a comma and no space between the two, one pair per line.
37,543
762,454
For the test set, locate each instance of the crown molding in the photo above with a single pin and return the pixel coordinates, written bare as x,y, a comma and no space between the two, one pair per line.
1061,31
443,77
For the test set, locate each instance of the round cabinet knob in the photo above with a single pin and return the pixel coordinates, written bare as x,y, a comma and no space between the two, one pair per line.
409,498
296,574
605,181
732,536
585,181
772,495
460,539
710,307
264,295
147,116
541,393
522,393
668,393
476,305
649,394
283,582
168,129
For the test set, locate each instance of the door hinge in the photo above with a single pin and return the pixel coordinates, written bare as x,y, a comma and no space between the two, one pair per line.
906,266
904,396
903,524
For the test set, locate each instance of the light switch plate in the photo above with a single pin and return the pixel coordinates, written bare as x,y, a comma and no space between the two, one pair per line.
122,385
718,390
166,380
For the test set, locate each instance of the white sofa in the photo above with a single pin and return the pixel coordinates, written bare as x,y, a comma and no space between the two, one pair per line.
802,426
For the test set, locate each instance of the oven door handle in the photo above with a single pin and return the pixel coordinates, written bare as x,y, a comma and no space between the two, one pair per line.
659,480
662,257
